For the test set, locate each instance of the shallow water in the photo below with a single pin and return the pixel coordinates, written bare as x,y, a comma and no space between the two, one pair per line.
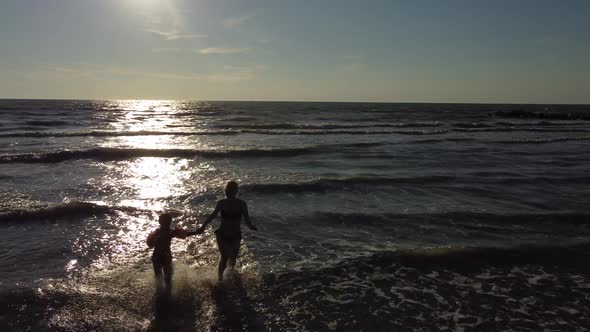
371,216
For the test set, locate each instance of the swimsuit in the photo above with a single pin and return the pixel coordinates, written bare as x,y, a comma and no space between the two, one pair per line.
228,239
162,256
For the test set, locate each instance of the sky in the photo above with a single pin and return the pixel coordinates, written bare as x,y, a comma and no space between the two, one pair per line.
502,51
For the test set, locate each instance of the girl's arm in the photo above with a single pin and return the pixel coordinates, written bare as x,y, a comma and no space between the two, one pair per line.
182,233
151,239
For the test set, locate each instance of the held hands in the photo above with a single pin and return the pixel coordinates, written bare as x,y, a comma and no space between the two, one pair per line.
197,231
200,230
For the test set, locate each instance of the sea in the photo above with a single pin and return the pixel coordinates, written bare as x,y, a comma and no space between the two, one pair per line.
371,216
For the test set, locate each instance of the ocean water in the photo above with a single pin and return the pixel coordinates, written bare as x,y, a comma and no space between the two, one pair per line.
372,217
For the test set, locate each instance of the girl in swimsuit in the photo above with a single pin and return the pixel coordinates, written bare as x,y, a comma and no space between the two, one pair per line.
229,234
160,240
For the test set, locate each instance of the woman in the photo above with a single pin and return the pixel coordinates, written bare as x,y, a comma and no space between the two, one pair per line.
229,234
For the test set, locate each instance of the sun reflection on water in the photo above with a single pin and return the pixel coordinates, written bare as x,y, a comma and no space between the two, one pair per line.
152,178
149,185
145,115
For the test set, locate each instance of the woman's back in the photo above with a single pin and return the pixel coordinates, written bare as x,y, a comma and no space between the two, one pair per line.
232,210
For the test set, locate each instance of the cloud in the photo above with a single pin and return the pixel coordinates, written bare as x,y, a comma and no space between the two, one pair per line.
235,21
165,19
89,71
166,50
220,50
174,34
351,68
353,57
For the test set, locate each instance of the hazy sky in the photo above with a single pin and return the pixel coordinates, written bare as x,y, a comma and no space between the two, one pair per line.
423,51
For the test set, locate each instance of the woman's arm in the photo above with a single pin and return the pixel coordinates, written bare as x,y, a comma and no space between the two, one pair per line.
210,218
247,217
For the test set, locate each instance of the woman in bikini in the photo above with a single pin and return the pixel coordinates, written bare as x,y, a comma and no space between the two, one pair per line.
229,234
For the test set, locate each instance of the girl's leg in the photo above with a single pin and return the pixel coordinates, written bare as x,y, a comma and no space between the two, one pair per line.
168,271
157,271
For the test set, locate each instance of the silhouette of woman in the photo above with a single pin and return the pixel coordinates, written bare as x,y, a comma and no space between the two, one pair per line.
229,234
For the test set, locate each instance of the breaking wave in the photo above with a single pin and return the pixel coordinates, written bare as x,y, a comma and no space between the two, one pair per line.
105,154
100,133
53,212
47,123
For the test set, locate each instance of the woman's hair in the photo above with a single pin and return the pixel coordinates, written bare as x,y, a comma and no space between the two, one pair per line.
231,189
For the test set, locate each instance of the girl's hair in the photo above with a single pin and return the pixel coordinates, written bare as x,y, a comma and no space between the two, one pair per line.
165,219
231,189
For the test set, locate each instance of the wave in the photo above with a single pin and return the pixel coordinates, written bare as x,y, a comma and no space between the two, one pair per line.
463,259
510,125
116,133
470,125
543,179
553,255
100,133
448,139
543,115
286,126
362,183
47,123
513,129
543,140
322,185
105,154
459,218
410,124
361,145
323,126
431,289
198,113
345,132
67,210
108,154
539,123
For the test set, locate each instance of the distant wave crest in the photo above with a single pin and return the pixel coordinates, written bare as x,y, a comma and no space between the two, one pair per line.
321,185
543,140
105,154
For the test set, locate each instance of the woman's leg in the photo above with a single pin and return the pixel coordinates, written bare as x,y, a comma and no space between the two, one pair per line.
224,255
234,251
221,267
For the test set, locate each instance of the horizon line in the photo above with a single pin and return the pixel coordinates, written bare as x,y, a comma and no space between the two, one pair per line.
303,101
